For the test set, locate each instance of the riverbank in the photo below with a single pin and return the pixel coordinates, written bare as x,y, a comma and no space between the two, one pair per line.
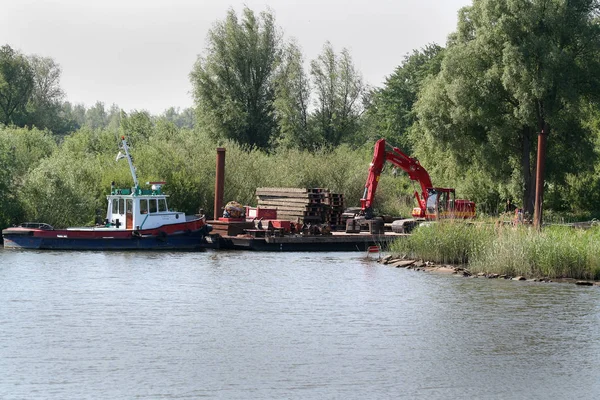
557,252
428,266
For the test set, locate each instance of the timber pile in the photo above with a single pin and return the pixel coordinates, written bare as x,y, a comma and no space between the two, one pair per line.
303,205
336,209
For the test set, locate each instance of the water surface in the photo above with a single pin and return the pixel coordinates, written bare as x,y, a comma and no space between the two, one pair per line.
240,325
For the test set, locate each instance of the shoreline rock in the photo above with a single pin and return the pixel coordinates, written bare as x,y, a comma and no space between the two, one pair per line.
428,266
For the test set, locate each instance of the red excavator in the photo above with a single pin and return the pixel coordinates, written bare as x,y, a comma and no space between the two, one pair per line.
434,202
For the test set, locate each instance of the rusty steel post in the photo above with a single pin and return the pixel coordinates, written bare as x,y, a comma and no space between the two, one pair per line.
219,182
539,180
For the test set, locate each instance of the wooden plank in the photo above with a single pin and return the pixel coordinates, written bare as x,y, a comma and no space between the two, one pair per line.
280,201
267,190
294,204
282,195
305,209
290,210
305,200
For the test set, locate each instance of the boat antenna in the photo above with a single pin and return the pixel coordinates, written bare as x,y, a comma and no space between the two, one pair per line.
131,167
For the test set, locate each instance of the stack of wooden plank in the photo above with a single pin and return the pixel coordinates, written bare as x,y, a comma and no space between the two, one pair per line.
296,204
336,204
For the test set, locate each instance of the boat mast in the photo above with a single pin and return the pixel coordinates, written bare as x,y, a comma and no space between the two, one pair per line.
131,167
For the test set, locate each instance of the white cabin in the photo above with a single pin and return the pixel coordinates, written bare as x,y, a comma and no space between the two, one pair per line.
138,209
138,212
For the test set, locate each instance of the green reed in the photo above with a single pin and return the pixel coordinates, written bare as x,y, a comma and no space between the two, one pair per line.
555,252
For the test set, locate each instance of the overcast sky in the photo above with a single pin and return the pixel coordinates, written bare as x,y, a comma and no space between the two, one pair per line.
139,53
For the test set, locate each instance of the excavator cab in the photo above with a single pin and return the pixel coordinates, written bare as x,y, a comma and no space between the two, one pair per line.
440,203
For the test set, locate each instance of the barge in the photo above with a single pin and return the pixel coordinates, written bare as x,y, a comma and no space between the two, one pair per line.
337,241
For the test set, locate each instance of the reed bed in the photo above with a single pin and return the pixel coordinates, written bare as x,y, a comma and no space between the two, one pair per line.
556,252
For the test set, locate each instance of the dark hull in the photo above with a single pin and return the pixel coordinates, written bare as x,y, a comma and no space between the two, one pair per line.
181,242
185,236
338,242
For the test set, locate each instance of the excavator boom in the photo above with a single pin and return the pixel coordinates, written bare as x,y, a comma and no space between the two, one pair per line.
433,202
401,160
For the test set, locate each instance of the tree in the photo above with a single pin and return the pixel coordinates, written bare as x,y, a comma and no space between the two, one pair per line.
233,82
96,116
45,103
391,110
137,126
21,150
16,86
339,93
181,118
514,69
292,97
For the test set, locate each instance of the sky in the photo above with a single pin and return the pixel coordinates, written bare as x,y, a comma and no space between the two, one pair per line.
138,54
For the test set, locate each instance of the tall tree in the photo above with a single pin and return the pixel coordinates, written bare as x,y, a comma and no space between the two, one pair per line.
46,100
96,116
233,82
16,86
515,69
292,100
339,94
391,111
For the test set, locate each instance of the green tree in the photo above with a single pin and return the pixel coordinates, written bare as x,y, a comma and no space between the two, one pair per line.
292,100
391,110
513,69
96,116
114,118
16,86
233,82
339,93
45,103
181,118
74,115
137,126
21,150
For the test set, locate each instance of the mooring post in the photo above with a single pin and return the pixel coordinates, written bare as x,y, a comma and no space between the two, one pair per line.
219,182
539,180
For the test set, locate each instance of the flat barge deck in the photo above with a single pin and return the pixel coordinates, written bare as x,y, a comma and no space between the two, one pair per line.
336,241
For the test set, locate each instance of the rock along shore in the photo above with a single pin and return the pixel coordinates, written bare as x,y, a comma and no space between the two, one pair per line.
428,266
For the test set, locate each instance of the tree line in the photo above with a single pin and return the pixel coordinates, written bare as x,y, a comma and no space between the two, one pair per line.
471,111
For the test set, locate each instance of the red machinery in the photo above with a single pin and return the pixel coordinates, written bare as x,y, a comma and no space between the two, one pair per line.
434,202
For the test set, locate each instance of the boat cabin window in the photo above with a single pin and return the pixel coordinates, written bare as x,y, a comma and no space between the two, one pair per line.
129,205
162,205
118,206
152,205
143,206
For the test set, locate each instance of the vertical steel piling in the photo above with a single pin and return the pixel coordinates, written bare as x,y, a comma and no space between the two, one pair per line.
219,182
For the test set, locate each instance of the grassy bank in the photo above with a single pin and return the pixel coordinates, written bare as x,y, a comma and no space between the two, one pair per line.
556,252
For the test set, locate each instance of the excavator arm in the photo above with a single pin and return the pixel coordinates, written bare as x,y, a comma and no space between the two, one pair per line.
408,164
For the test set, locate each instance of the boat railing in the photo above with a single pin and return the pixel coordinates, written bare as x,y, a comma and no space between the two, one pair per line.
37,225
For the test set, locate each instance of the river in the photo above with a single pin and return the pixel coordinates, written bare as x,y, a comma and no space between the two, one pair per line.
240,325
